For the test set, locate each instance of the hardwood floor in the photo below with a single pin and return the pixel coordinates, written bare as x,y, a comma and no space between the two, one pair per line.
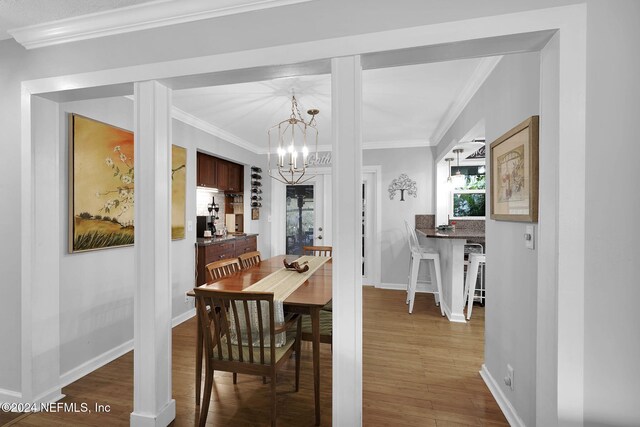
419,370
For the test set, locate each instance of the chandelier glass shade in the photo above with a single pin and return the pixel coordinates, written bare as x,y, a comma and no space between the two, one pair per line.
292,144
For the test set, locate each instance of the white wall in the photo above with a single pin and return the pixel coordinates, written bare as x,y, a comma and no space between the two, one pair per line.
508,96
612,283
97,288
417,163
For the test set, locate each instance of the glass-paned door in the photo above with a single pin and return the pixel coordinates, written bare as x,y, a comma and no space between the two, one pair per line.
300,216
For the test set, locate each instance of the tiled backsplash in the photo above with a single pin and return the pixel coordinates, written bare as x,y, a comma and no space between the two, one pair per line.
470,224
425,221
204,197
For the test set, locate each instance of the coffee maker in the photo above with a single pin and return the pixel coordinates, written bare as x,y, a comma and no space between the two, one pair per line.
208,222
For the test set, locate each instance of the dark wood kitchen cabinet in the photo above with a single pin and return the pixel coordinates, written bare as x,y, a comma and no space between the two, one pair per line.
235,177
222,172
216,249
207,171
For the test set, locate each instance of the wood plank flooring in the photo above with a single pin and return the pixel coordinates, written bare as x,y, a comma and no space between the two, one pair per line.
419,370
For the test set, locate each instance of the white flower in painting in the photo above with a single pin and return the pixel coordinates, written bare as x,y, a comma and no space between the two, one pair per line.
130,196
123,157
109,205
124,208
123,192
97,194
126,179
109,161
116,148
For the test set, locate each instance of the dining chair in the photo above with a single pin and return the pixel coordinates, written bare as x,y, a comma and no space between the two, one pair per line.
223,268
236,341
317,250
326,327
418,254
249,259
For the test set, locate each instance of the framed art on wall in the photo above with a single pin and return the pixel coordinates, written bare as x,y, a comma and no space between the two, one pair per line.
514,173
178,191
101,182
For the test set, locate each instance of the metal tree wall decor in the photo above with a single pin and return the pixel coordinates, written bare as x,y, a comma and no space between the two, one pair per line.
402,183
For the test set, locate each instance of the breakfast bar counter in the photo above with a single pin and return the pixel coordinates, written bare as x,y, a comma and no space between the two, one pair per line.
450,245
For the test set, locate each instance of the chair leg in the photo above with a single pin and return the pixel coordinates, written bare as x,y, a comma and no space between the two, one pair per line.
436,265
235,378
298,350
409,280
470,285
274,400
206,398
432,277
414,280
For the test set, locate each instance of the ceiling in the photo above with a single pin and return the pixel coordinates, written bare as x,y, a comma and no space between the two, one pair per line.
402,106
21,13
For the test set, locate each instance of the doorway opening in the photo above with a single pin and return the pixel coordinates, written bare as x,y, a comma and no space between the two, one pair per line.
300,215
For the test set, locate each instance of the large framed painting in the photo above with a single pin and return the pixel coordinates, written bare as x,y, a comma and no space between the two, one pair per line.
514,173
101,182
178,191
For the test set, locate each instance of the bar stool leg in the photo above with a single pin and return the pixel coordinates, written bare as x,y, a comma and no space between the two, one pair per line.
413,281
436,265
409,277
470,283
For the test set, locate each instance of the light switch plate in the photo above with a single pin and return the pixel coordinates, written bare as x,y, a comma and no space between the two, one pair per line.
529,237
189,225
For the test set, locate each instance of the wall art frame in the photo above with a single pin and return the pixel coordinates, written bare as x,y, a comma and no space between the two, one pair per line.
514,171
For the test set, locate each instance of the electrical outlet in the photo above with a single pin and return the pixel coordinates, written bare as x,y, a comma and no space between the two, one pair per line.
508,379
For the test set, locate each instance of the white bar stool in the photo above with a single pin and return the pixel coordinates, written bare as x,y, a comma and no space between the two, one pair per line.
419,253
472,279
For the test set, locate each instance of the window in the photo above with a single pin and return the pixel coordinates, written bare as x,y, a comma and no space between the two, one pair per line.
468,199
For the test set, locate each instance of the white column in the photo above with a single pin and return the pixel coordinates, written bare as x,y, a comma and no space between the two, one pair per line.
346,104
152,402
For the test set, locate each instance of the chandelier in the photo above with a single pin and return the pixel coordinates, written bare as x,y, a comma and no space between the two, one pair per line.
293,138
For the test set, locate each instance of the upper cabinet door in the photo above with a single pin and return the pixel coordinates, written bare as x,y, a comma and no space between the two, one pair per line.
207,174
235,176
222,173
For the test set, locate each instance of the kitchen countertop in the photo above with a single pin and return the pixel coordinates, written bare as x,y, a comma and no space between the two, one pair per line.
459,233
201,241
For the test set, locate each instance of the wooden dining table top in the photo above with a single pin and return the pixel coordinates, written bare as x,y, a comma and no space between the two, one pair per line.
316,291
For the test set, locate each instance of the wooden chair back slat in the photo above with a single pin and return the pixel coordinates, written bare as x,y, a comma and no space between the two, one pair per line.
236,321
249,259
247,319
261,333
223,268
317,250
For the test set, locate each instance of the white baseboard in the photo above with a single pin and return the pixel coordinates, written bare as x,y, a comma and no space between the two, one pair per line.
420,288
162,419
181,318
89,366
507,409
52,395
458,318
8,396
99,361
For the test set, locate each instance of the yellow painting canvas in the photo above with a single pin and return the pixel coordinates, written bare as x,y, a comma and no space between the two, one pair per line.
101,182
178,191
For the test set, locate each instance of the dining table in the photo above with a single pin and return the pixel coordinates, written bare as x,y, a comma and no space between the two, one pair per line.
307,299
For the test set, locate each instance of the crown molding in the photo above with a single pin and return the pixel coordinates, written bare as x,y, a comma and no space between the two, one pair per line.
138,17
404,143
480,74
207,127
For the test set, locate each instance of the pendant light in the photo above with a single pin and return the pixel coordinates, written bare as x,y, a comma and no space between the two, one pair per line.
293,139
458,179
449,180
